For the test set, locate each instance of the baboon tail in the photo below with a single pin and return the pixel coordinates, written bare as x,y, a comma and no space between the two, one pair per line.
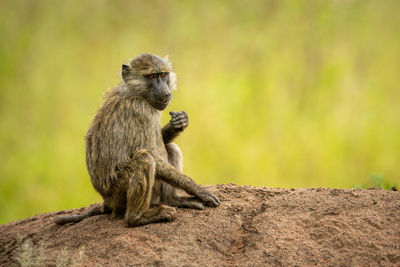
96,210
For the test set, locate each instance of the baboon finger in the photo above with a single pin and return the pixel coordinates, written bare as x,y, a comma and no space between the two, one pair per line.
173,119
178,121
181,117
215,201
174,124
209,198
184,121
212,201
180,125
182,113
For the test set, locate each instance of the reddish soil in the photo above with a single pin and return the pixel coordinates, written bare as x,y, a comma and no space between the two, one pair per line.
254,226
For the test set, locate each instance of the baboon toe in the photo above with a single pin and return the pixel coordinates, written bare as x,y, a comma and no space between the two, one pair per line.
135,221
168,214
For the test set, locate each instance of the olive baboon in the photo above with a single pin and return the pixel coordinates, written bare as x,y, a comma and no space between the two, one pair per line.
131,160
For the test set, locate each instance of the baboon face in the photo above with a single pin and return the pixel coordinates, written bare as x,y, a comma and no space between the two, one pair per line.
151,77
158,93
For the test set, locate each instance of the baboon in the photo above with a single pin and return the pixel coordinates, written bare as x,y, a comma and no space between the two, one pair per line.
131,160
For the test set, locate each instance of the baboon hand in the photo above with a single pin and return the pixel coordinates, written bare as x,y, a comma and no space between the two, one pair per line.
179,120
208,198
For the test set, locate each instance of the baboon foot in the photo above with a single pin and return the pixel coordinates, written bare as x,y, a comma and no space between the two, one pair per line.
152,215
168,214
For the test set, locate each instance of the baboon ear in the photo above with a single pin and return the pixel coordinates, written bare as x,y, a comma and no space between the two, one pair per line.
126,72
166,59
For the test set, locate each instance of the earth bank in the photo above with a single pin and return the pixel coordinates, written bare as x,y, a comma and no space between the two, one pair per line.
253,226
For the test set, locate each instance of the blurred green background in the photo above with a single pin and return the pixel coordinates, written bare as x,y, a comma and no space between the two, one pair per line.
279,93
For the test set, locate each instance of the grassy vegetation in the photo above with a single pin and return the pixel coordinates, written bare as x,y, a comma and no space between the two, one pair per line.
279,93
379,181
28,254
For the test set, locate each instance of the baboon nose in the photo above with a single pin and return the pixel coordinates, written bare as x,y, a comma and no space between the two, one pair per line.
167,95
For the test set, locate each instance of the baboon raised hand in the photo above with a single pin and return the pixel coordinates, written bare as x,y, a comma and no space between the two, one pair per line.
131,160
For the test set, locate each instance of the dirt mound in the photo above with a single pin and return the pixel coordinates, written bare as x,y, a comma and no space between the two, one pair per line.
253,226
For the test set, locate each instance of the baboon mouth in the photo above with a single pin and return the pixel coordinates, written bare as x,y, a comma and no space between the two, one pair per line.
164,101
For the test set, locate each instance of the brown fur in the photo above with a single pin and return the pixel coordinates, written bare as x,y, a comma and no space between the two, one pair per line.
131,160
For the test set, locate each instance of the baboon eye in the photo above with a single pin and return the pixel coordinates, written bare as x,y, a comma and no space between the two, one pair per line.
162,75
151,76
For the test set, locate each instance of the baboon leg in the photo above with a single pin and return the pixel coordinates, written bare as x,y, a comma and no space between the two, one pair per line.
117,200
168,192
138,210
175,157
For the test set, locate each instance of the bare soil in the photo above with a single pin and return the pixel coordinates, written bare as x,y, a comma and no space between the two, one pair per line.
254,226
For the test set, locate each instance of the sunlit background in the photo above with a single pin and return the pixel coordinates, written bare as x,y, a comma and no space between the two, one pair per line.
279,93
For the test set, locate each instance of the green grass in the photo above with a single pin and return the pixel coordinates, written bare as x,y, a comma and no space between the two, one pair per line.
279,93
379,181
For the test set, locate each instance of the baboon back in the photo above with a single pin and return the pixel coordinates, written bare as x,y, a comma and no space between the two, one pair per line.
121,127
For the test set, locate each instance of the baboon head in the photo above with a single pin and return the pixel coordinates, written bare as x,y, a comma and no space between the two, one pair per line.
150,77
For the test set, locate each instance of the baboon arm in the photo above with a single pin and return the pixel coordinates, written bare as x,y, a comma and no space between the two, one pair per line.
169,133
177,179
